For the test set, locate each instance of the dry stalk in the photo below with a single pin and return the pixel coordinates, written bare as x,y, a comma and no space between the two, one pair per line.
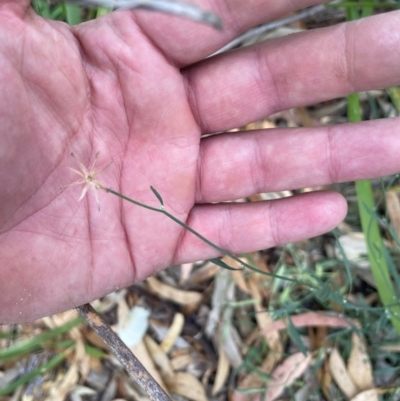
124,355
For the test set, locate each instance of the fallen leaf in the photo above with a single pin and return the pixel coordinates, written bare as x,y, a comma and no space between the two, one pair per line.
340,374
368,395
359,364
204,273
141,353
159,357
264,319
186,269
355,248
393,208
172,294
286,373
326,380
187,385
253,380
181,361
173,332
283,376
237,275
391,347
309,319
222,372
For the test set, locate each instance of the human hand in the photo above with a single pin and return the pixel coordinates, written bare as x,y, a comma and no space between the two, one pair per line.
131,86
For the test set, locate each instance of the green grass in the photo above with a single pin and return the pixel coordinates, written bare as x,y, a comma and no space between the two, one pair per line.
378,255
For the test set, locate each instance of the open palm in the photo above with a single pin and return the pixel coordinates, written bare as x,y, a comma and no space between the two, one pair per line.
131,87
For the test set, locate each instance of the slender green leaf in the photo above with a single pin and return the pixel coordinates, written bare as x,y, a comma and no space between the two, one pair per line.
157,195
295,336
394,93
11,387
377,252
73,14
102,11
32,344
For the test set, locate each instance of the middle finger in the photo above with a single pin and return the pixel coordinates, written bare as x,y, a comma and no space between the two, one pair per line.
237,165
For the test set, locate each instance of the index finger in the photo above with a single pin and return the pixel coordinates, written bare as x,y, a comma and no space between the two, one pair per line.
238,87
185,42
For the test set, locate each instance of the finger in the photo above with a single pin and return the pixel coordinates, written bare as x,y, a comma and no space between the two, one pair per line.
234,89
237,165
186,42
247,227
17,7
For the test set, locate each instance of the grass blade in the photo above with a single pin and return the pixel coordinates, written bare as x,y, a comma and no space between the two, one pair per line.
377,253
51,364
73,14
32,344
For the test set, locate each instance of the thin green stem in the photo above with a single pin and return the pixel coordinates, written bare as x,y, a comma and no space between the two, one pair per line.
204,239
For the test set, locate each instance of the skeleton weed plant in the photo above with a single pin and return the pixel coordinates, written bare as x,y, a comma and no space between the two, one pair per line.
88,178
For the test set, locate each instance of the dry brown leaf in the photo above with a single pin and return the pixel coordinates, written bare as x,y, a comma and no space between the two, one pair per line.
391,348
186,269
272,337
340,374
368,395
173,332
283,376
180,361
159,357
286,373
359,364
393,208
80,361
94,339
122,310
260,124
304,116
354,246
141,352
263,318
81,358
309,319
325,379
187,385
317,336
204,273
172,294
222,372
70,379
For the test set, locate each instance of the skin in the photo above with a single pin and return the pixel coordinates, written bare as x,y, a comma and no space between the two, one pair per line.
136,87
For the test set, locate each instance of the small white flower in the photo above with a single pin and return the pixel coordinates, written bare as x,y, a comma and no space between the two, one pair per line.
88,178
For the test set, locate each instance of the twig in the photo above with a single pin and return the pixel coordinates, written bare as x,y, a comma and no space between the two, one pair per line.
128,360
273,25
183,9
